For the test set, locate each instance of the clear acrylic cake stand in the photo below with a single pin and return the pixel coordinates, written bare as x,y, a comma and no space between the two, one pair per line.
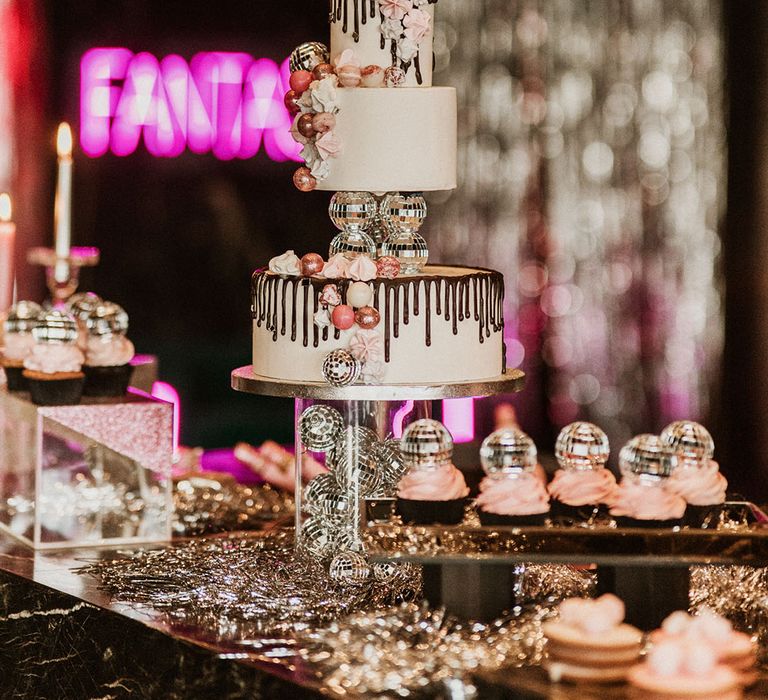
334,523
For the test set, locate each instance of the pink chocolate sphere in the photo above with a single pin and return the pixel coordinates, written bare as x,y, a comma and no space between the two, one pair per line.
387,266
367,317
343,317
304,179
322,70
311,264
325,121
304,126
300,80
349,76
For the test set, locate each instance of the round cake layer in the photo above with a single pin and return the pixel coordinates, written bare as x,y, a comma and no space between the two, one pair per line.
355,25
445,325
394,140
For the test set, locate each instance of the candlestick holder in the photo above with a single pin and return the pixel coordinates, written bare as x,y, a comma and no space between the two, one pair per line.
62,289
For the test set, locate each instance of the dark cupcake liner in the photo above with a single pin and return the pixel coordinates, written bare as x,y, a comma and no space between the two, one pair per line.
623,521
532,520
16,381
430,512
563,511
107,381
56,392
698,516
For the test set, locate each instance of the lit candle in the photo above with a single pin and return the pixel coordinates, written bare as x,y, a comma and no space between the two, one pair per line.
63,205
7,240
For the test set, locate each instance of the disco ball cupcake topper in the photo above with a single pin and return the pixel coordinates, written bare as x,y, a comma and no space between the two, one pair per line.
352,213
319,426
690,442
23,317
107,319
55,328
403,215
645,456
508,452
81,305
426,444
581,446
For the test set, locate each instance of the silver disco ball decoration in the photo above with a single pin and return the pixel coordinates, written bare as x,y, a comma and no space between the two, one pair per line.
403,212
392,464
308,55
346,539
508,452
55,327
317,537
426,443
333,507
22,317
340,368
378,229
81,305
107,319
385,571
351,244
352,211
691,442
647,457
318,489
355,465
582,446
319,426
409,248
349,568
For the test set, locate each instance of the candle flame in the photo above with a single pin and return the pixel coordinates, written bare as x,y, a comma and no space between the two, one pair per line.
5,207
64,141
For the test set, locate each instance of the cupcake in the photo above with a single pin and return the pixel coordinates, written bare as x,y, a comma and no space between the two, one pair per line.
81,305
511,492
643,498
53,367
433,490
683,668
108,352
590,643
734,649
582,484
18,341
697,478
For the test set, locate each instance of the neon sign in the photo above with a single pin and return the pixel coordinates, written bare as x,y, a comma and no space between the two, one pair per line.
228,104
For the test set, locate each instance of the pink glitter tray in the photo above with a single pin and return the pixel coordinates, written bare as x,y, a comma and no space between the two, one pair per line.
93,474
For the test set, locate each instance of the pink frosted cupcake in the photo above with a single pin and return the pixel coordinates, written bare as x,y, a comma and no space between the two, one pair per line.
677,669
108,352
18,342
511,493
433,490
643,498
582,484
697,478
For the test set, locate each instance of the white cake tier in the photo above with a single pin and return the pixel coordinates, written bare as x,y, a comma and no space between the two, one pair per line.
445,325
355,24
394,140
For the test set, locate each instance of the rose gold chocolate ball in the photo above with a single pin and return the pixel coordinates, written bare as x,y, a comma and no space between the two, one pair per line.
349,76
304,125
292,101
311,264
367,317
300,80
322,70
304,179
325,121
372,76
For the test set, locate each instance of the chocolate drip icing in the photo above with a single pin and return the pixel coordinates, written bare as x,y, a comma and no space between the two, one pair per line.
400,299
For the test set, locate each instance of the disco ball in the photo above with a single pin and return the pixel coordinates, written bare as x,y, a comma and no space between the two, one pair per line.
317,537
107,319
355,464
582,446
351,244
352,211
403,212
81,305
55,327
647,457
385,571
426,443
340,368
508,451
320,487
409,248
392,464
319,426
308,55
690,442
22,317
349,568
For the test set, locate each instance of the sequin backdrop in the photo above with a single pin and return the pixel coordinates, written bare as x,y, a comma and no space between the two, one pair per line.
591,162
